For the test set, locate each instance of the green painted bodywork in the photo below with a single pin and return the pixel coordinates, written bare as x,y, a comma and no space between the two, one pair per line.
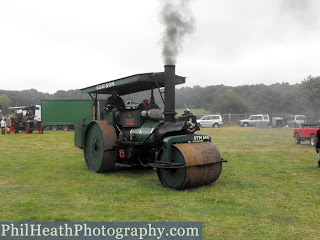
142,133
79,131
167,155
131,119
66,112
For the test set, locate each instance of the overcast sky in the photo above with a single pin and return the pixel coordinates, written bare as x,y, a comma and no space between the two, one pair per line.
72,44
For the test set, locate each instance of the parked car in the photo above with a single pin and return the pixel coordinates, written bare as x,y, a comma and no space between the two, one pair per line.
307,131
253,120
296,120
210,121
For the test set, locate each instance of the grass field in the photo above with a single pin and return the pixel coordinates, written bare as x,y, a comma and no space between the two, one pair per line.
269,189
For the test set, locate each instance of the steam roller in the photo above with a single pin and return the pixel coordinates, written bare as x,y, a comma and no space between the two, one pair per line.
145,136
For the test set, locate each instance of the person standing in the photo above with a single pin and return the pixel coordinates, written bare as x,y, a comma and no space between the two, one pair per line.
16,124
318,147
8,123
3,125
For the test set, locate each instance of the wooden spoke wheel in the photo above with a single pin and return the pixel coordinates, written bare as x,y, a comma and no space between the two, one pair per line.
27,128
40,128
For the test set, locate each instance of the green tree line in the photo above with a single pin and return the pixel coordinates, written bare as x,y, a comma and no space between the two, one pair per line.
280,98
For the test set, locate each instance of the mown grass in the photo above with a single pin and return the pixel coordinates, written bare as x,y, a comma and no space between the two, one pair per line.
269,189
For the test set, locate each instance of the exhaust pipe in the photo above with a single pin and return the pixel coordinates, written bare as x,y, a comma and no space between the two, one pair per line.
169,93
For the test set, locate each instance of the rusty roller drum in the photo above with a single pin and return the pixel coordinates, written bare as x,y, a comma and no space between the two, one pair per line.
202,166
100,138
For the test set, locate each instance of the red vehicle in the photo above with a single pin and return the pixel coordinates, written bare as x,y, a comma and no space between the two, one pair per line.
307,132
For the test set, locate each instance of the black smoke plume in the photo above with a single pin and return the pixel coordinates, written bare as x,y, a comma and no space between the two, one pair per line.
178,21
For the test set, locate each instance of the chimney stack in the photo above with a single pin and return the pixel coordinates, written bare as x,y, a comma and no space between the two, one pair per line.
169,93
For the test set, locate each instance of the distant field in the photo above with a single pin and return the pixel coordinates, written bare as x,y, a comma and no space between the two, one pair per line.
269,189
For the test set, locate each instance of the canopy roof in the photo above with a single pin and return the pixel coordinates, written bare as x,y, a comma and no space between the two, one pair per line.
24,108
132,84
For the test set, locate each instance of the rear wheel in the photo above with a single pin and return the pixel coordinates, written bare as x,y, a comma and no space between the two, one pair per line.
99,140
40,128
27,128
215,125
54,127
313,140
65,127
297,138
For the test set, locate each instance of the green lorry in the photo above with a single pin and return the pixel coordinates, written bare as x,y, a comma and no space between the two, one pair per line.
64,114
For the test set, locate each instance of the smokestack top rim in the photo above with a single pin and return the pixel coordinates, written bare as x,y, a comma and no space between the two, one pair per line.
170,65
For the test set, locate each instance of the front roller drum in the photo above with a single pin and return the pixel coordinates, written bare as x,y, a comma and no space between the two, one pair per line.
202,162
99,140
